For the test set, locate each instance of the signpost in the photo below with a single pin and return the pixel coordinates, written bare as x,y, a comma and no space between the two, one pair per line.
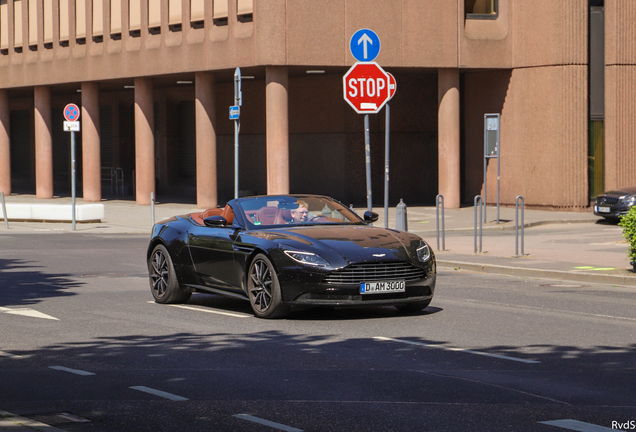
235,114
368,88
72,125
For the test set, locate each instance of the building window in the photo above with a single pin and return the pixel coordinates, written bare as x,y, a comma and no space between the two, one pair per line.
481,9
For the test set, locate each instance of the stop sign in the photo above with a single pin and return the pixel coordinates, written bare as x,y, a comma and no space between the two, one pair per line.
366,87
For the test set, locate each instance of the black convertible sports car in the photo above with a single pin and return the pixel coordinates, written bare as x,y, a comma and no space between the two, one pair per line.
282,251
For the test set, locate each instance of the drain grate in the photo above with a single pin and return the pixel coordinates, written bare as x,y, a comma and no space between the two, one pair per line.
53,419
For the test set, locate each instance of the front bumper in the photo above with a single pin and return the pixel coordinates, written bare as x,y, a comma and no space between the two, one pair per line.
309,290
614,212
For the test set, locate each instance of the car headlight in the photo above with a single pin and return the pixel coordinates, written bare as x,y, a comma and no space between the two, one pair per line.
308,258
630,200
423,252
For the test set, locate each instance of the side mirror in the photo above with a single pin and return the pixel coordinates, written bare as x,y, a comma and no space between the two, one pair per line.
370,217
215,221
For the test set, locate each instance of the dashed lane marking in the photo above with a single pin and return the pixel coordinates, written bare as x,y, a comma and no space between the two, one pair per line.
9,355
73,371
212,311
264,422
576,425
503,357
160,393
27,312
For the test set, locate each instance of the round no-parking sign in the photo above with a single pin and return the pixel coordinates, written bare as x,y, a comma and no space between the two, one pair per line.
71,112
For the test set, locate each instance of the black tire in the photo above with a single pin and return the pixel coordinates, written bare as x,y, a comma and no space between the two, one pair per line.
263,289
163,279
413,307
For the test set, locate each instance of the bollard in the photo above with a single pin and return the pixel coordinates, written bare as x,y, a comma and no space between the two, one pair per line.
478,204
517,200
439,202
152,205
401,222
4,212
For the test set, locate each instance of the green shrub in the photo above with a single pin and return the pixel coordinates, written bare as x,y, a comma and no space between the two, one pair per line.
628,223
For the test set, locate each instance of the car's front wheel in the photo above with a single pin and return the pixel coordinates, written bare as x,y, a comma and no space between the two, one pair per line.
163,279
264,290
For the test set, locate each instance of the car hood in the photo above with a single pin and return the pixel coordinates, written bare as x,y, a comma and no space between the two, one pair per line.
342,245
621,192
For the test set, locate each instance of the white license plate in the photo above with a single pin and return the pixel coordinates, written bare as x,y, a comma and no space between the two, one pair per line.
603,209
382,287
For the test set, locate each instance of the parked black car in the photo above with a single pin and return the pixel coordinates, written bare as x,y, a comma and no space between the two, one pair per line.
281,251
613,204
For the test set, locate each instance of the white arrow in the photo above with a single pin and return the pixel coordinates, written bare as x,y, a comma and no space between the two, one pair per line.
27,312
365,39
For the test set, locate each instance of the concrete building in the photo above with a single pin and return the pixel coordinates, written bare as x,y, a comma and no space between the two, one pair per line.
154,80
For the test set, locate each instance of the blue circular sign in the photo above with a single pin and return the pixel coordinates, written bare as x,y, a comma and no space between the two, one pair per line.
365,45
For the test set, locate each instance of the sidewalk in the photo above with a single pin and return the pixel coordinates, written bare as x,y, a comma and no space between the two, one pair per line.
574,246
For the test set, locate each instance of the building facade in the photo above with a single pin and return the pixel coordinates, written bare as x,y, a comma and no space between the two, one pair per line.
154,80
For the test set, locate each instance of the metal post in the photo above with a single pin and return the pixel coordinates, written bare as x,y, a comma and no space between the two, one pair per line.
439,202
498,178
517,200
386,165
73,177
478,203
238,101
4,212
152,205
401,220
367,158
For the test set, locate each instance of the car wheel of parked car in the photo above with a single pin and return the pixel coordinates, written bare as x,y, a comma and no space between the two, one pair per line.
163,279
413,307
264,290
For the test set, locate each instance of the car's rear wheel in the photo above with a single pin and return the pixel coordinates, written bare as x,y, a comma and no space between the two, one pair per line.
264,290
163,279
413,307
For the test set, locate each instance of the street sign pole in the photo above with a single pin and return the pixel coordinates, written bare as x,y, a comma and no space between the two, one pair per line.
72,114
367,158
238,101
73,177
386,164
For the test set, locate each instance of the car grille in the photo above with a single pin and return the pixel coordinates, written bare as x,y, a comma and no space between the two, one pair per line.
372,272
607,201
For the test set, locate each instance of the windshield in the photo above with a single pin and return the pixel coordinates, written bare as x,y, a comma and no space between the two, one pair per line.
268,211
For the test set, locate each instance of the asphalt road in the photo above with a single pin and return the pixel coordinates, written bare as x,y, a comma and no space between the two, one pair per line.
84,348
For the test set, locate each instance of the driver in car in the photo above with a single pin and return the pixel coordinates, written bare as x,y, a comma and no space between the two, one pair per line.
301,214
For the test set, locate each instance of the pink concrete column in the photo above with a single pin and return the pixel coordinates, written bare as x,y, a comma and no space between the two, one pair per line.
144,141
277,115
91,165
205,96
5,144
448,137
43,143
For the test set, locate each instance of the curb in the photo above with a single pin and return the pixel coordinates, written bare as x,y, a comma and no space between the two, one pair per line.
505,227
539,273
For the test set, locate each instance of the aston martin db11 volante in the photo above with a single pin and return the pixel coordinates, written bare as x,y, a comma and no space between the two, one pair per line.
279,252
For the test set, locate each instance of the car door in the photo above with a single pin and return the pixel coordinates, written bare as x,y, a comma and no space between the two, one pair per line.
212,254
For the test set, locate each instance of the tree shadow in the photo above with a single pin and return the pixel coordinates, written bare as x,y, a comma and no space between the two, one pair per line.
23,283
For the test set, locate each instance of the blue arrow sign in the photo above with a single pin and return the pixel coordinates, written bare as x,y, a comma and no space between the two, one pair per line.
235,112
365,45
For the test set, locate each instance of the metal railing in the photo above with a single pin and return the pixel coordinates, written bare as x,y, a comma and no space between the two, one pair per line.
478,205
439,203
518,200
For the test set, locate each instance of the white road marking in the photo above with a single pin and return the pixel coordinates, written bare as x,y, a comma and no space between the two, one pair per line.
27,312
212,311
576,425
160,393
503,357
73,371
267,423
6,354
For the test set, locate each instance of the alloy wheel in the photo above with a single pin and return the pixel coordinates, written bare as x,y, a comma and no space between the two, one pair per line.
261,289
160,273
